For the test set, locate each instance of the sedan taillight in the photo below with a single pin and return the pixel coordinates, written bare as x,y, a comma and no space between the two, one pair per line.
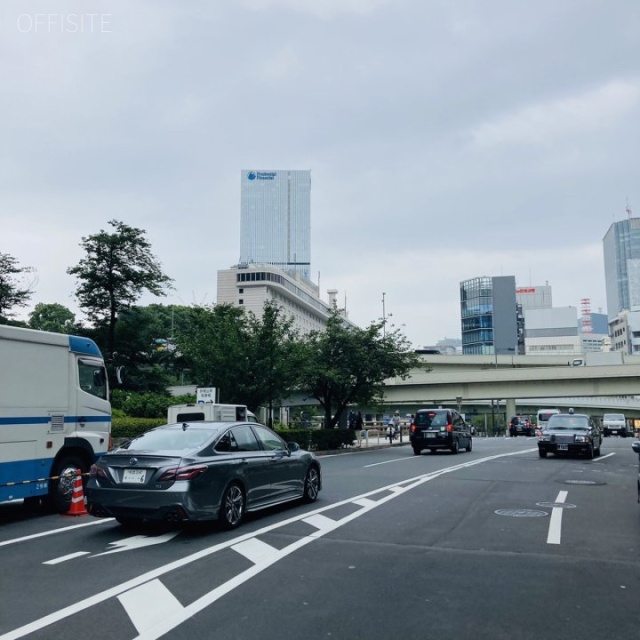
449,427
97,472
183,473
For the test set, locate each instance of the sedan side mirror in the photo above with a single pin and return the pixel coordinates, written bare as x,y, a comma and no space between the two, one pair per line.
636,446
293,446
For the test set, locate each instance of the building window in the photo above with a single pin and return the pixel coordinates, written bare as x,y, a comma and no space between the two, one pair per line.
241,301
240,290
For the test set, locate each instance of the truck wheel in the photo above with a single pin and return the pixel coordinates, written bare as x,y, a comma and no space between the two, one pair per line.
589,452
542,453
61,491
455,447
417,451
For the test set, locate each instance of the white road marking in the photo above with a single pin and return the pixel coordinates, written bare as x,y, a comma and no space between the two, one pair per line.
166,625
607,456
71,556
555,522
137,542
255,550
322,523
136,604
53,531
364,502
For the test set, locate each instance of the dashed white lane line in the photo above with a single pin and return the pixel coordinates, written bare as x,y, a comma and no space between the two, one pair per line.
70,556
136,604
54,531
555,522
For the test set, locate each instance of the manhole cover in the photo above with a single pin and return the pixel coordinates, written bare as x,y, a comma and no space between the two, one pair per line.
551,505
521,513
587,482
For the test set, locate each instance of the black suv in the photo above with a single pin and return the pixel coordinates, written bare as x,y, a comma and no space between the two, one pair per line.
435,429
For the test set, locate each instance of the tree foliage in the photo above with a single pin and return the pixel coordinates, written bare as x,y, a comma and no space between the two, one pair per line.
249,360
52,317
345,365
13,292
117,269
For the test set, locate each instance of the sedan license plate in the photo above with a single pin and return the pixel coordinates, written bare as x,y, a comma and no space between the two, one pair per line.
614,432
429,434
134,476
563,447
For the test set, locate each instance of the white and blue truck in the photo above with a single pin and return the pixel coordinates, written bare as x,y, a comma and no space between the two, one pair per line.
55,415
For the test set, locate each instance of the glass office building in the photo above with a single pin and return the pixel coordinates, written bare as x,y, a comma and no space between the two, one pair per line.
275,219
621,248
489,315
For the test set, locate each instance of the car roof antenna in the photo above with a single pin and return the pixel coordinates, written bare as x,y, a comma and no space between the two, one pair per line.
184,426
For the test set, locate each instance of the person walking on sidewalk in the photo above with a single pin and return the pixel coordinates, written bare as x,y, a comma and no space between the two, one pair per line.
391,432
396,425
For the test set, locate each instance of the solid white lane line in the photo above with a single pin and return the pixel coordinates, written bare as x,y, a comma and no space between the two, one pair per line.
136,604
607,456
53,531
71,556
555,522
255,550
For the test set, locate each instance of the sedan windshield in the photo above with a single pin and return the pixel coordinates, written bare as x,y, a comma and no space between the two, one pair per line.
569,422
174,439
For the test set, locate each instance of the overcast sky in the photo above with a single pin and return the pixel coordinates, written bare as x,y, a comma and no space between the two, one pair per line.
446,140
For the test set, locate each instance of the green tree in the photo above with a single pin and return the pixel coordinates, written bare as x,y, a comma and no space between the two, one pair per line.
13,293
52,317
145,339
275,358
117,268
347,365
214,346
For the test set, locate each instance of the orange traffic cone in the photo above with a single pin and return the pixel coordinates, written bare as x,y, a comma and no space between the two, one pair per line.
77,507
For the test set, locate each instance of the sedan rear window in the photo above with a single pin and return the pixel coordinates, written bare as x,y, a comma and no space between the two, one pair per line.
170,440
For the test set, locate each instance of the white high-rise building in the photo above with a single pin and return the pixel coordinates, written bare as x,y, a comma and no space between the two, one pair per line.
275,219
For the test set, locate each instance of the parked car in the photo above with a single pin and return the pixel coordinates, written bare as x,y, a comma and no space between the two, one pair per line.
568,433
435,429
614,424
636,448
521,426
192,471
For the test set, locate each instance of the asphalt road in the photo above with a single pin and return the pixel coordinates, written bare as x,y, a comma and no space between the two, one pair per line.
491,544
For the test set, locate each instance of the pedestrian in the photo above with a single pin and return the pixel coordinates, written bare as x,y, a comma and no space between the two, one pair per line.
390,432
352,420
396,425
359,421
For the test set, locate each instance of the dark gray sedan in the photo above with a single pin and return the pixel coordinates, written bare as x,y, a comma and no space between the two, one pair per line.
194,471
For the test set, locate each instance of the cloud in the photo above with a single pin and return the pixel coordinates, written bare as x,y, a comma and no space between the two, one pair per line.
544,123
319,8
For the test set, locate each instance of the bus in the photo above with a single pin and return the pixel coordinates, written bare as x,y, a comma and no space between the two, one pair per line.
55,415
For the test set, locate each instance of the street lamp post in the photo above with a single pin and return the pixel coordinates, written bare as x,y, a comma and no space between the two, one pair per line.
384,317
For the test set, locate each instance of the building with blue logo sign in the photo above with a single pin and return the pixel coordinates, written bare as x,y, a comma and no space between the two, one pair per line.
275,219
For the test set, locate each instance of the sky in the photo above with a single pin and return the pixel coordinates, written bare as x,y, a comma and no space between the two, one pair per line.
447,139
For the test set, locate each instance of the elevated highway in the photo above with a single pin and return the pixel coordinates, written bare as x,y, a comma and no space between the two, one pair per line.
462,381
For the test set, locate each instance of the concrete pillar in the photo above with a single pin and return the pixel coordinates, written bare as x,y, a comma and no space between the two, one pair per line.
511,408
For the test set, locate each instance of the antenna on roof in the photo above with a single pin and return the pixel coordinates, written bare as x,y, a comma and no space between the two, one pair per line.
628,210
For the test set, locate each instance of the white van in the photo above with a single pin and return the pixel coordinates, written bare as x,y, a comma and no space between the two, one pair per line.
614,424
543,417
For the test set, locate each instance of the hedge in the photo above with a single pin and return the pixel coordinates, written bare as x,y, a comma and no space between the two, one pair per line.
314,440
